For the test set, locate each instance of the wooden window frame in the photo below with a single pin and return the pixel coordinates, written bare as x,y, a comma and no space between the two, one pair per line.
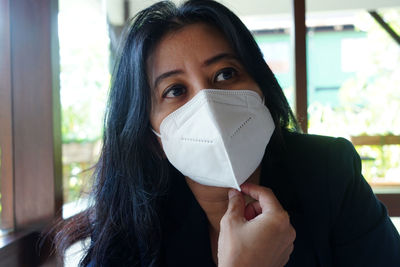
299,34
6,138
30,132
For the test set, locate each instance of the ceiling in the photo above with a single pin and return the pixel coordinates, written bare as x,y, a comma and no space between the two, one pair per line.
249,8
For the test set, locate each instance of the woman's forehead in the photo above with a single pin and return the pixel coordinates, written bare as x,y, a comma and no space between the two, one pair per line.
192,44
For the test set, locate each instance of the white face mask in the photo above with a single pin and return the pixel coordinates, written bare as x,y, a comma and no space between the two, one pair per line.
218,138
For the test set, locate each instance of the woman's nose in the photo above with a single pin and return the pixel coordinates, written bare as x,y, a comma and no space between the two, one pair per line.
201,85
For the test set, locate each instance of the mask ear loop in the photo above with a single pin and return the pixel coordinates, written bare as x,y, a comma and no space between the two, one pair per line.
159,135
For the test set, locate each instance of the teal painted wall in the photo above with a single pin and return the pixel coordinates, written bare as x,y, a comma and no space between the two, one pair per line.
324,62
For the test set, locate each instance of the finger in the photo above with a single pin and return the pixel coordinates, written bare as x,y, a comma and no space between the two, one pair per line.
263,195
249,212
256,206
236,204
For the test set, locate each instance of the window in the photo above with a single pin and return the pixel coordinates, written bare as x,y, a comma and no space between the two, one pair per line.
362,61
352,70
29,127
84,82
272,31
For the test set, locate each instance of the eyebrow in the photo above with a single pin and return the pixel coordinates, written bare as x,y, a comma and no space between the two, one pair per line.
206,63
219,57
166,75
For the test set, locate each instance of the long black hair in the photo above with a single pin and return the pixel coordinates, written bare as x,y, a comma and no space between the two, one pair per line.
131,176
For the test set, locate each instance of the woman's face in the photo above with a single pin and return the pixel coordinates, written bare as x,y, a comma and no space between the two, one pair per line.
186,61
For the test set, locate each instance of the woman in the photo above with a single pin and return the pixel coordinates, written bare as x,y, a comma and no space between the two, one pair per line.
194,111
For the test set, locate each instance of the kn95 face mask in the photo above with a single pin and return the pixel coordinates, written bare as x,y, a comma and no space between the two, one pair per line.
218,138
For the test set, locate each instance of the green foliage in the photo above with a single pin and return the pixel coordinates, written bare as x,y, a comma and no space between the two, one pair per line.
381,163
369,101
84,79
76,180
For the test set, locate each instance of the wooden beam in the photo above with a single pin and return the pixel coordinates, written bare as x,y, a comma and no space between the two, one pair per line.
56,108
300,62
21,249
35,109
13,255
6,117
377,140
126,10
385,26
391,202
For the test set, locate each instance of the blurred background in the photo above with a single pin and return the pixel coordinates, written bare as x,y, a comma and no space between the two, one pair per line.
353,82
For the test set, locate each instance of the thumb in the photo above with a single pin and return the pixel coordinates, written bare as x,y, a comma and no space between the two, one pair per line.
236,204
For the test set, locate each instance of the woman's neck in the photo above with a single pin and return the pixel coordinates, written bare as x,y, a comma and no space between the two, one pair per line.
214,200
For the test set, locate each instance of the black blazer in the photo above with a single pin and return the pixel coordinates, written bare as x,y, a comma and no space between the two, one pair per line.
318,181
337,218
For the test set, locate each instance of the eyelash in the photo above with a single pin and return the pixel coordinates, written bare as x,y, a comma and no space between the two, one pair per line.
173,87
233,72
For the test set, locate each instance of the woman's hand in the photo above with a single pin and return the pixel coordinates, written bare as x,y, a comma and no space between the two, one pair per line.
265,238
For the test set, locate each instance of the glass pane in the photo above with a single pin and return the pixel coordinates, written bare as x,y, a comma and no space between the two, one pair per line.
272,33
354,73
84,76
276,48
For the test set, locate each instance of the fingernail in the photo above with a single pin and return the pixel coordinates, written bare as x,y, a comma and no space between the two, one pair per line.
232,193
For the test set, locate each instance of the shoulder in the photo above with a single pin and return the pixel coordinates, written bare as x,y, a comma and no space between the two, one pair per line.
319,153
330,170
331,160
326,168
303,168
310,143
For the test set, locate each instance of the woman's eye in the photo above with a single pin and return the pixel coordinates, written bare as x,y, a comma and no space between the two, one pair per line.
174,91
225,74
